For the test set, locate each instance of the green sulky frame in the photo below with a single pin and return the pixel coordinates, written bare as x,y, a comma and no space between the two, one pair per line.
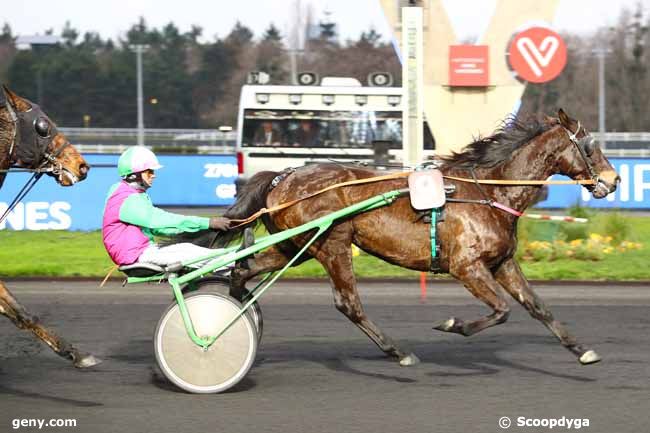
230,255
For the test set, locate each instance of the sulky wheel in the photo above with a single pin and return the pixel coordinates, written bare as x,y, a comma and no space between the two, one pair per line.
218,285
224,363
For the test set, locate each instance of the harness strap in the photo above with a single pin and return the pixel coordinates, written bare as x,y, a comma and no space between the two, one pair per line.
522,182
241,222
435,258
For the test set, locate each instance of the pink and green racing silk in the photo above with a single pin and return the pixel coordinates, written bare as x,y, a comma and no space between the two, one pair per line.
131,221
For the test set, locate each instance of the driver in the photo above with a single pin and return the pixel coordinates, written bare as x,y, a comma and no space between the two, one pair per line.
131,221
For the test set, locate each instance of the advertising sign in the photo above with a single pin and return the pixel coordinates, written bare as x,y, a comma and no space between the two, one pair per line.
632,193
468,65
537,54
184,180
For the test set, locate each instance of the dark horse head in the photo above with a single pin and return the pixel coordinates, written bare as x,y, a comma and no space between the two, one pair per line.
556,145
583,159
29,139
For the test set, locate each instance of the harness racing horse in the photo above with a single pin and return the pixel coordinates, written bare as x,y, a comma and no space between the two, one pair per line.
477,241
30,140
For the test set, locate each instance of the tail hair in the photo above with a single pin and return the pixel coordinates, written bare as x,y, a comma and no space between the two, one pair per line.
250,199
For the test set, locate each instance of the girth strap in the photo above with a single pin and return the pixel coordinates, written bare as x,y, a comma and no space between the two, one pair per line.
435,246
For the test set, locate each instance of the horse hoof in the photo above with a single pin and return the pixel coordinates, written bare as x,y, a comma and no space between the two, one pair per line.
589,357
87,361
447,325
409,360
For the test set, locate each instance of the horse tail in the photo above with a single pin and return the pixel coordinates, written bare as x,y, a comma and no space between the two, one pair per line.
250,199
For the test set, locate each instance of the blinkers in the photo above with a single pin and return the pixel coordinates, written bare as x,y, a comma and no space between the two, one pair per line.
35,132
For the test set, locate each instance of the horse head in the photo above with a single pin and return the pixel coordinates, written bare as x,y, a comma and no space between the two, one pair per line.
581,158
36,143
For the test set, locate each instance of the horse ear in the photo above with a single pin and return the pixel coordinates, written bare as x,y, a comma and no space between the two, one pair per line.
565,120
16,102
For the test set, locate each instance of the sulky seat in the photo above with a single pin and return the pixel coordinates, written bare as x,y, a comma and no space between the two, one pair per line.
142,270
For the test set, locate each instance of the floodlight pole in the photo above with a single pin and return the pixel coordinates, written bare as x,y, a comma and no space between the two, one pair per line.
139,49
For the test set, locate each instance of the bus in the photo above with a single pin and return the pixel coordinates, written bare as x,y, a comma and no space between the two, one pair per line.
340,120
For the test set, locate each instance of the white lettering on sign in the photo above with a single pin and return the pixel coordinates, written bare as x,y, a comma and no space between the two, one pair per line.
640,186
220,170
37,215
226,190
634,182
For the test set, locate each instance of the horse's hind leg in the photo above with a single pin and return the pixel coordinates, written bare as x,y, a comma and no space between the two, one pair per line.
509,275
269,260
10,307
335,255
479,281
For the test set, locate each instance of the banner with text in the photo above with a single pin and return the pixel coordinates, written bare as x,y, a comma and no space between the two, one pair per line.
184,180
632,193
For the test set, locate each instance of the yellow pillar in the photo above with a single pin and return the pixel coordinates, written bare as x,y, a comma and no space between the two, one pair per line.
456,115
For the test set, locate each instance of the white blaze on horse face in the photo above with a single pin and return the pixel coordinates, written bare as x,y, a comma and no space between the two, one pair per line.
538,57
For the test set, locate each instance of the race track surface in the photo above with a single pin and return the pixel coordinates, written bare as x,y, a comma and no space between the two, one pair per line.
316,372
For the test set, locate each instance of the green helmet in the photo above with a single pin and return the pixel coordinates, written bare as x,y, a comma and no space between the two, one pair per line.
136,159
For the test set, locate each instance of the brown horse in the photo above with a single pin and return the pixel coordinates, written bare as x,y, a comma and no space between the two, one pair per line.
30,140
478,241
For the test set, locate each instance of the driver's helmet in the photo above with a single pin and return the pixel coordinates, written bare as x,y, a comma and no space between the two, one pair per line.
136,159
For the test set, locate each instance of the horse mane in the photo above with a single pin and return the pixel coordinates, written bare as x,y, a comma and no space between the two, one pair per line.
512,133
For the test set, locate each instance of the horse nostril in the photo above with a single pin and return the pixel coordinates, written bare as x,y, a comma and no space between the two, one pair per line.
83,169
617,180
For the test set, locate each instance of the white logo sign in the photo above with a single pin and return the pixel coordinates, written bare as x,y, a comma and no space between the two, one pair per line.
538,57
37,215
226,190
220,170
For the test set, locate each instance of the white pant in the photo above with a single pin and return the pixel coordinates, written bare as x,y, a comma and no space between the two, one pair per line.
183,252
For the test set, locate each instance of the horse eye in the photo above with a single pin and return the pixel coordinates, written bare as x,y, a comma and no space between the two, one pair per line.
42,127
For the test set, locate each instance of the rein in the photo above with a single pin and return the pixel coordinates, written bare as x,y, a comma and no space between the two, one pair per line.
400,175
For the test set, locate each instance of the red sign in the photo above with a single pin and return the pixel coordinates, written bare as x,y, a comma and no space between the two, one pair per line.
468,65
537,54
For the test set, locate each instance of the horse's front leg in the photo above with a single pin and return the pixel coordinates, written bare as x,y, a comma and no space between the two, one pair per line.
509,275
10,307
480,282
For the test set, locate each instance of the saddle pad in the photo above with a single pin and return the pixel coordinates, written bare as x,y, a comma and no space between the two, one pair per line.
426,189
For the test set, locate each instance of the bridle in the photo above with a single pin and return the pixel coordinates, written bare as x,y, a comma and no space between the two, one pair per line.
41,157
585,147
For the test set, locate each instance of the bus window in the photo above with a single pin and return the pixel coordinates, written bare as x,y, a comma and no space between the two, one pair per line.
340,129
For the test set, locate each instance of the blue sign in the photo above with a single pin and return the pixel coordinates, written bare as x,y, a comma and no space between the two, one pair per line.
632,193
184,180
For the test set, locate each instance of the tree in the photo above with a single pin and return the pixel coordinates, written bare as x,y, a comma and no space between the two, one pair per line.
272,34
272,56
69,34
369,39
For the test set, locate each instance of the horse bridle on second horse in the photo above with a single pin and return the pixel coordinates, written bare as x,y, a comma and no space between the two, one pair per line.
30,145
585,147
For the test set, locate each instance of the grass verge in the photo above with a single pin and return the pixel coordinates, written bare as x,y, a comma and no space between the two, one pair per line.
81,254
